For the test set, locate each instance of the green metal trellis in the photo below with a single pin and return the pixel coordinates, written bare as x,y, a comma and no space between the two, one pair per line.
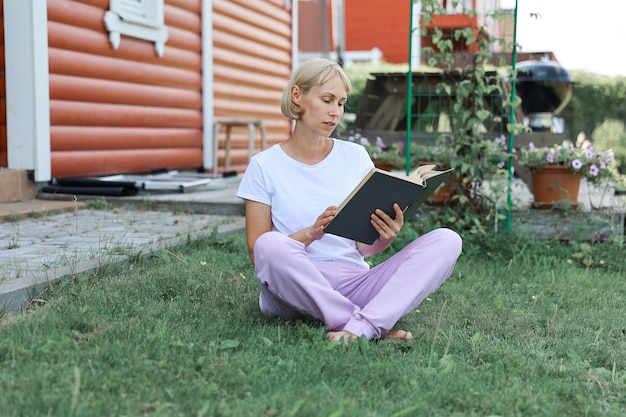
436,109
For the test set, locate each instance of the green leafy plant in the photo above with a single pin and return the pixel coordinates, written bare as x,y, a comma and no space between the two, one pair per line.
439,153
479,103
494,152
596,166
378,150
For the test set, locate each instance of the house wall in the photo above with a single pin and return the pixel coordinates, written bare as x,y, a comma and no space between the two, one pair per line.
3,113
127,110
251,66
385,25
310,14
124,110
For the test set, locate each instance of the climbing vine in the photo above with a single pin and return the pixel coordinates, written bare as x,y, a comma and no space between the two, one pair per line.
479,92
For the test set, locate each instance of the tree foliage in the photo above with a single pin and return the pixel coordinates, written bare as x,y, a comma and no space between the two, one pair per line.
595,98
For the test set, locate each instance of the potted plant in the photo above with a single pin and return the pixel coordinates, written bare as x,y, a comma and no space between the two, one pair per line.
557,170
437,154
383,155
493,152
444,156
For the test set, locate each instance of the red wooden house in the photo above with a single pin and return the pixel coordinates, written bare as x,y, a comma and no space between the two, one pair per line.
385,26
97,87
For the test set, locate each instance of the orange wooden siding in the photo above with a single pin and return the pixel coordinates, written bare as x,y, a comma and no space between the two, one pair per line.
124,110
252,64
3,113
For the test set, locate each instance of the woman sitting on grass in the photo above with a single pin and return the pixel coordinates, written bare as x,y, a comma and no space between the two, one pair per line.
291,192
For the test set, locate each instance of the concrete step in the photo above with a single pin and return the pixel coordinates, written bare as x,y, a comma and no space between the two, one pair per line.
15,186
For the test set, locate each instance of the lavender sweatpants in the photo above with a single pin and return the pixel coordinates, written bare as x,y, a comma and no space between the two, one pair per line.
346,296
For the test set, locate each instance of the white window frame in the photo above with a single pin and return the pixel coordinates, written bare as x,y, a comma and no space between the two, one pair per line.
143,19
27,87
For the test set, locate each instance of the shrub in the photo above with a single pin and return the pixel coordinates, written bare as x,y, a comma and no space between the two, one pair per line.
610,134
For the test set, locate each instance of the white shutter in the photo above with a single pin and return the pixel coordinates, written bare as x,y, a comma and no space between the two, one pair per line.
141,19
143,12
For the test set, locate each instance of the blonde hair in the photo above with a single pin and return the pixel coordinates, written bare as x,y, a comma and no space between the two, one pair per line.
311,73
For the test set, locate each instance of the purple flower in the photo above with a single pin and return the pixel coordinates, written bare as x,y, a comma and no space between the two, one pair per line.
576,164
365,142
593,170
379,142
351,138
602,165
531,146
589,153
550,158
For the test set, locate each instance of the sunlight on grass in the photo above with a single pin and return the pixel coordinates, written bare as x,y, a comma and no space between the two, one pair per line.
521,328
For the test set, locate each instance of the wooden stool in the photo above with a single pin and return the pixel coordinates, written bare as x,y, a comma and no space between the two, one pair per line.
229,124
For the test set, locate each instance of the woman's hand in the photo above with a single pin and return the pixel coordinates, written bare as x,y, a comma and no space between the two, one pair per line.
259,221
316,230
387,229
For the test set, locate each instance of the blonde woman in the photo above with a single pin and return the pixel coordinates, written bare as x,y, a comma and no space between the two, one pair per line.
291,192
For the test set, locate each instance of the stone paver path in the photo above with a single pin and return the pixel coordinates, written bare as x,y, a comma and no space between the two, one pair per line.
37,245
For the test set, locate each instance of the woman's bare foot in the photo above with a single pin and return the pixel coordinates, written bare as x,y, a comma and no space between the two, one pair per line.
397,335
343,334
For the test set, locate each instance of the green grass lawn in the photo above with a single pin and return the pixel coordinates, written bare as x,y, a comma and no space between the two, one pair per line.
521,328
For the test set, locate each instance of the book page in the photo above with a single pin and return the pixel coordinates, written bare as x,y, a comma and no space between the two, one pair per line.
424,171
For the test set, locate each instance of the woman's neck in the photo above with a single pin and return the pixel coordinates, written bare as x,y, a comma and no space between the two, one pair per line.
307,150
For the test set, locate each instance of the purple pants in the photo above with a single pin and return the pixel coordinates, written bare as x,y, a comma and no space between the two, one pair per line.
346,296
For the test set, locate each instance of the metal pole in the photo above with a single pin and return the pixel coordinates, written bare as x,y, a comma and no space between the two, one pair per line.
509,202
409,95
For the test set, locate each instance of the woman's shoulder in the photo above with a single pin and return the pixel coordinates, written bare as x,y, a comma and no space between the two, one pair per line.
346,143
347,146
269,154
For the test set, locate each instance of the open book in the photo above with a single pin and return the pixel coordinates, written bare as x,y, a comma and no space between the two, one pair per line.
379,190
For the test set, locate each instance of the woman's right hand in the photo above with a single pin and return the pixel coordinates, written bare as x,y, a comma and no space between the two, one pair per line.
317,229
315,232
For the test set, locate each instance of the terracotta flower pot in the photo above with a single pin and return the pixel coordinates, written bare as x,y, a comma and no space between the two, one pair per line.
555,184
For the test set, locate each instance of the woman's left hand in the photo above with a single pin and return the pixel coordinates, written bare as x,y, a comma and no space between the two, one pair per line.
387,227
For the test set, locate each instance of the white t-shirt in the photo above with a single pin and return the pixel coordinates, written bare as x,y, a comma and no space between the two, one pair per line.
298,193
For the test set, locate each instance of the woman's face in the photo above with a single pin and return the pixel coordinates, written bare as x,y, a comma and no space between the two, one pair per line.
322,107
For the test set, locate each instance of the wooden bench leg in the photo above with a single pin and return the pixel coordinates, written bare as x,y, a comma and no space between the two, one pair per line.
251,125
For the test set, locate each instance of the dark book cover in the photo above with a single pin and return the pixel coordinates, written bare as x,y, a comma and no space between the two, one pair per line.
379,190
